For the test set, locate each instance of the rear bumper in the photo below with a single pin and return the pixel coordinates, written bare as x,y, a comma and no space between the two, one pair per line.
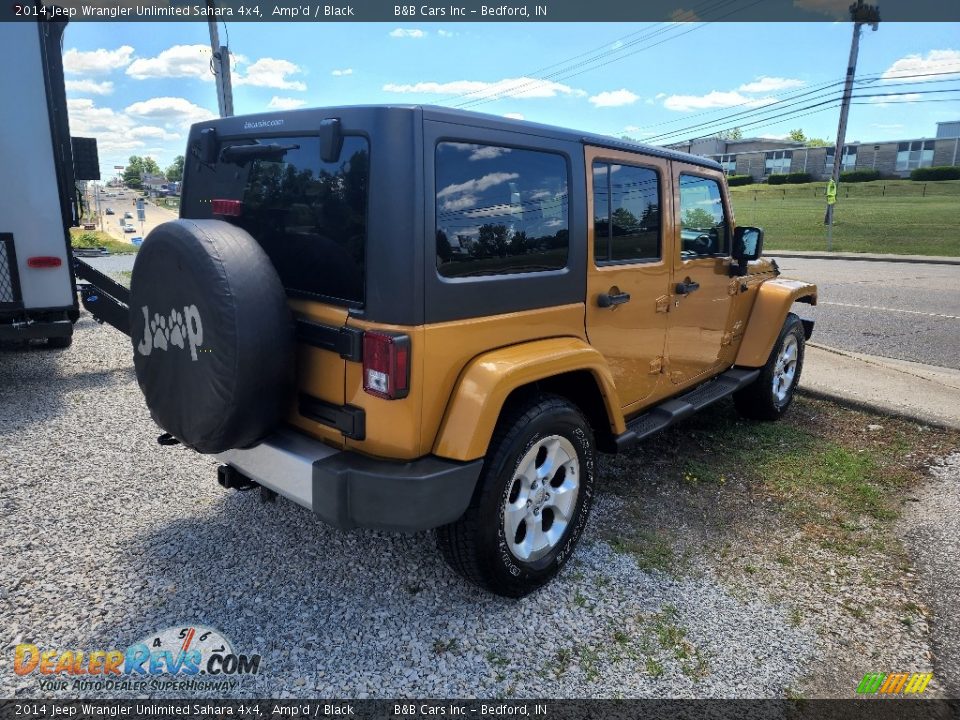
35,330
349,490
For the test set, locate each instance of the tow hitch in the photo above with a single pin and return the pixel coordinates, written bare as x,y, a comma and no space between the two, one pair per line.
103,297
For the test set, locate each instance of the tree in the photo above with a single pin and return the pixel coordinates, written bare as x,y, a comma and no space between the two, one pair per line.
136,168
174,173
798,135
732,134
818,142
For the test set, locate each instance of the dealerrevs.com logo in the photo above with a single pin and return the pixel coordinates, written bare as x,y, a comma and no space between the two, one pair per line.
176,658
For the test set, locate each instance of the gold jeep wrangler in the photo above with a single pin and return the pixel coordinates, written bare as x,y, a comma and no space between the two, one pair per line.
412,318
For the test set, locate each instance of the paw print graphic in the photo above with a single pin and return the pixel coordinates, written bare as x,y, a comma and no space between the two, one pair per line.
158,326
178,330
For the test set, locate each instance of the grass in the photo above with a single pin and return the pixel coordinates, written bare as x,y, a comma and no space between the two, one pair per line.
831,481
883,216
650,550
80,238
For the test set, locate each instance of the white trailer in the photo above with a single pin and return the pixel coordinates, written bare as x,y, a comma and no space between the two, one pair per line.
37,189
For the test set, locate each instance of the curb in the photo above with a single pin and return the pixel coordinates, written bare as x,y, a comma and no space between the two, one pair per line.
873,408
865,257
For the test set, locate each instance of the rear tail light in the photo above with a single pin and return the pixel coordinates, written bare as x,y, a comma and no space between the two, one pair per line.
231,208
44,261
386,365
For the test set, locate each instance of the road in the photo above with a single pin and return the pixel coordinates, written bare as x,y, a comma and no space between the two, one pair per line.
898,310
154,216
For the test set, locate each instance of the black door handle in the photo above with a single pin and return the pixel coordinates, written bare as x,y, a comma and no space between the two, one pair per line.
687,287
606,300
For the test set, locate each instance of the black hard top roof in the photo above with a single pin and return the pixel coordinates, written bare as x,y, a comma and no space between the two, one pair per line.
497,122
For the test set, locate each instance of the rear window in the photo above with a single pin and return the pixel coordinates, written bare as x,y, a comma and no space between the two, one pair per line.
308,215
500,210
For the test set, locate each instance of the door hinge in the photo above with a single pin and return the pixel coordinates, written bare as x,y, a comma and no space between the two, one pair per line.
656,365
663,303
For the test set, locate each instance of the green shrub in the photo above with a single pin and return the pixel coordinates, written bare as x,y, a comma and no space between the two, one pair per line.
943,172
789,179
733,180
853,176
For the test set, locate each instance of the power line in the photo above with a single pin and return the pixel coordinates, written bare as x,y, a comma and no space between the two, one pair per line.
565,75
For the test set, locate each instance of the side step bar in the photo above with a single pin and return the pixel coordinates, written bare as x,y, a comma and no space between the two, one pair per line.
676,409
103,297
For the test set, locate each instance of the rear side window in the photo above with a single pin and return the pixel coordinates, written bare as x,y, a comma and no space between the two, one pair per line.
309,216
500,210
626,210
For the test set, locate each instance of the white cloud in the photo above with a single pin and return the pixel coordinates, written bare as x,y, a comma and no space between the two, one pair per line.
285,103
407,33
342,73
446,33
149,132
514,116
659,96
769,84
175,110
896,99
89,87
614,98
888,126
774,136
96,62
522,87
935,61
714,99
271,73
177,61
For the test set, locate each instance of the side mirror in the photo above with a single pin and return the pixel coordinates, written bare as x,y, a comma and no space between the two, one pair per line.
747,246
747,243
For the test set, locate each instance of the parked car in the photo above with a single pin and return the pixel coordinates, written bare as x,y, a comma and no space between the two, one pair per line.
444,334
128,228
109,211
128,215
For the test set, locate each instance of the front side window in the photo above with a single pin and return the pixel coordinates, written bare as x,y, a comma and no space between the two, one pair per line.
626,209
500,210
703,222
309,216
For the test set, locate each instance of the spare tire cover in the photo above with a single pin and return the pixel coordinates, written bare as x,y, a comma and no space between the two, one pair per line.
213,337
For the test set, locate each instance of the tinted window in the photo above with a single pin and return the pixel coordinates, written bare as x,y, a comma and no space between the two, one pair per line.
500,210
626,208
309,216
703,222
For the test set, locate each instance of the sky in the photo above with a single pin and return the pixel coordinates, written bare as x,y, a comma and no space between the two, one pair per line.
137,87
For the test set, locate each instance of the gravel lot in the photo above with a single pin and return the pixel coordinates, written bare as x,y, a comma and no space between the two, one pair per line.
107,537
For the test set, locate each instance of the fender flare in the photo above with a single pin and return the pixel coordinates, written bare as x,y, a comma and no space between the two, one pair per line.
488,379
774,299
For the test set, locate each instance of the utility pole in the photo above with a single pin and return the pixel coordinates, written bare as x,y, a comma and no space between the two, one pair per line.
861,14
221,66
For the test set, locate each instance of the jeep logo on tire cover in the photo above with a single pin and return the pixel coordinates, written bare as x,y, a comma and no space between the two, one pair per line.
178,329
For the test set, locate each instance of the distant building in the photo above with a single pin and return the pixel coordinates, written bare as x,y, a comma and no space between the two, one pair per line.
154,184
762,157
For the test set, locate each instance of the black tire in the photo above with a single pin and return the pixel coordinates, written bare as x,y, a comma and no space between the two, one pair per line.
760,400
60,343
476,546
212,334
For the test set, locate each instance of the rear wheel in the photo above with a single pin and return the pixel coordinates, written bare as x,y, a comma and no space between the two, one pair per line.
531,503
769,396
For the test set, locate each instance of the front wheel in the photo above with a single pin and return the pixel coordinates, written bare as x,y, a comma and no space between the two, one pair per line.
769,396
532,500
